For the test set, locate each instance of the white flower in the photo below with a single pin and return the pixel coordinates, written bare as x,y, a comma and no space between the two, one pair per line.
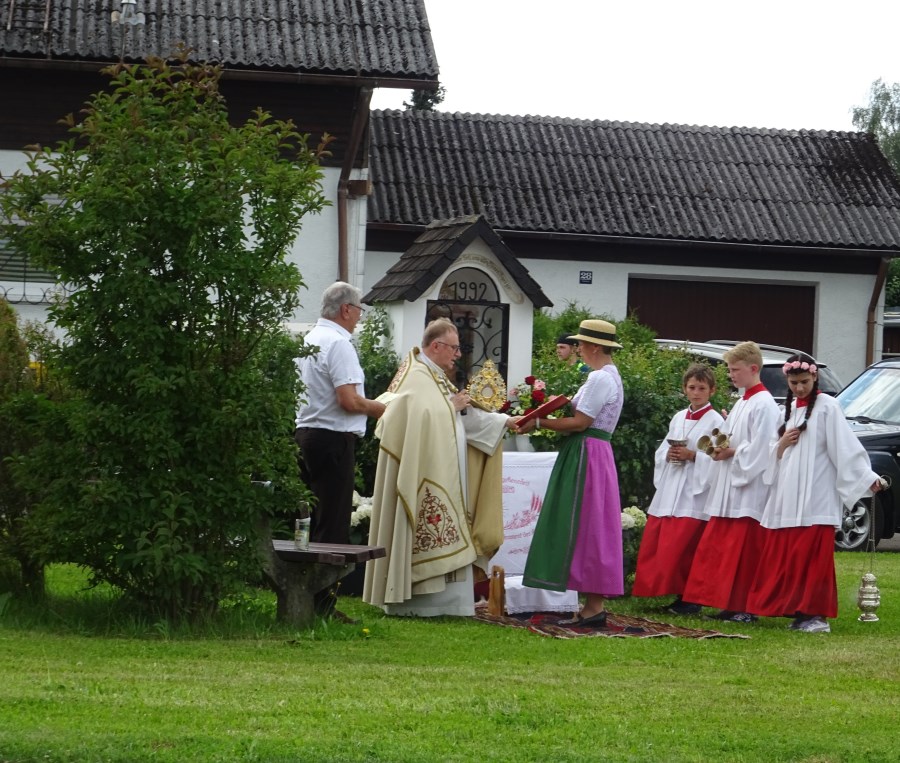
639,518
357,498
363,513
627,521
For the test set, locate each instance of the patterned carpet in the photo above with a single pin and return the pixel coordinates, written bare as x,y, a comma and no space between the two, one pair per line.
617,626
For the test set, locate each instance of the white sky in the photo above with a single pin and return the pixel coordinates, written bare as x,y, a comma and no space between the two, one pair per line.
754,63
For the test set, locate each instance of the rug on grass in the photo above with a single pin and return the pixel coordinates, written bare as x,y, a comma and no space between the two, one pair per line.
617,626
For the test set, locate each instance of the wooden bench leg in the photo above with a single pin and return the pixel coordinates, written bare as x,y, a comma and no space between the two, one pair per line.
295,585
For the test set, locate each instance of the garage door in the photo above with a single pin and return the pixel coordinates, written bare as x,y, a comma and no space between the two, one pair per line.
701,310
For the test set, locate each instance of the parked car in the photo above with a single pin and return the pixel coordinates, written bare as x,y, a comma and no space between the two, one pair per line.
871,403
773,359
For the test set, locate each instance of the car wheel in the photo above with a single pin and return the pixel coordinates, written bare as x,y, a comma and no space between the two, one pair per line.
856,525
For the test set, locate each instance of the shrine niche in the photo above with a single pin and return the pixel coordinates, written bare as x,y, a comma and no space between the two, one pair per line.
460,269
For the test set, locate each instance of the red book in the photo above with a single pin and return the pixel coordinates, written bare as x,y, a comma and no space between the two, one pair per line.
546,409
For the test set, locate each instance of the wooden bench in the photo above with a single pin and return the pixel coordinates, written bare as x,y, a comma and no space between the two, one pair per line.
297,575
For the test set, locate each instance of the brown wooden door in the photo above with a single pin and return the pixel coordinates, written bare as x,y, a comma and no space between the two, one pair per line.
701,310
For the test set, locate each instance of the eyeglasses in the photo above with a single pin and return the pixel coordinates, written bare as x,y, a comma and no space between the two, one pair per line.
454,347
358,307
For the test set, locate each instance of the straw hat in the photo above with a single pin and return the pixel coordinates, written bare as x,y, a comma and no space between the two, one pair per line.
597,332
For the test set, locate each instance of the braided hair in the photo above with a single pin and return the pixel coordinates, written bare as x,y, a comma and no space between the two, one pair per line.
795,365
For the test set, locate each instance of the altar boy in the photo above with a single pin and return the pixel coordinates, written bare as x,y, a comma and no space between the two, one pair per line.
724,564
677,515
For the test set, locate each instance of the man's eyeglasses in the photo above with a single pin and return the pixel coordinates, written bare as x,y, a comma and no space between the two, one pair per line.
358,307
454,347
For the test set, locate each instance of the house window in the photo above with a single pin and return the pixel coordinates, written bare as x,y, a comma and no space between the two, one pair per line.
20,280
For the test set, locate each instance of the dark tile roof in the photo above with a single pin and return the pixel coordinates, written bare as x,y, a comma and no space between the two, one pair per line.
436,249
779,187
376,38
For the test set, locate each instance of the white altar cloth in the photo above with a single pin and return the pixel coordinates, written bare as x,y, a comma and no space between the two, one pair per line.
525,477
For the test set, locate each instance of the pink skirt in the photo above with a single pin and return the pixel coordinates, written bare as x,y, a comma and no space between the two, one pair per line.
796,573
666,555
725,563
597,561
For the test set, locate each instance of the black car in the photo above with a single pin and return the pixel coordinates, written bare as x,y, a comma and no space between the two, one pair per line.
871,403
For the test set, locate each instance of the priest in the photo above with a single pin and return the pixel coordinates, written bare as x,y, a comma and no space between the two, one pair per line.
437,505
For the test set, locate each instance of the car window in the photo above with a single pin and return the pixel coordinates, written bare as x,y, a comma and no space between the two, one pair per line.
828,382
875,394
776,382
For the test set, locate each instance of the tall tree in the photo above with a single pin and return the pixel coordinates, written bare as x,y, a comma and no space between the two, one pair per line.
881,118
172,227
425,100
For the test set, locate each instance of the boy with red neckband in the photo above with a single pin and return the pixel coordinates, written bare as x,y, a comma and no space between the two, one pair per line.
818,466
676,517
726,559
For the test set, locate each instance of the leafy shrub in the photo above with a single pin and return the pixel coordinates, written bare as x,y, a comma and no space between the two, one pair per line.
172,228
379,363
29,398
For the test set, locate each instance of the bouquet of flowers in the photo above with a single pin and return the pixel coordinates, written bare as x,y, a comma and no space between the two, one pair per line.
525,397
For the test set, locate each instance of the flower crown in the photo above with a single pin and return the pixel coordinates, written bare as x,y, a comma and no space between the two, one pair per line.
799,365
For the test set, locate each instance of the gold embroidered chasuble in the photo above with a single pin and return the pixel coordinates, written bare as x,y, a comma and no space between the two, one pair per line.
437,504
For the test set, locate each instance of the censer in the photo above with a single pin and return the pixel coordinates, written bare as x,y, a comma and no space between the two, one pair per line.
868,598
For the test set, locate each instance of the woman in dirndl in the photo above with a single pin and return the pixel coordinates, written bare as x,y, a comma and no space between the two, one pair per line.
577,543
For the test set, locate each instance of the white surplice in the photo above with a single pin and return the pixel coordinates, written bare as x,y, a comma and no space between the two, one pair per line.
826,469
737,488
681,490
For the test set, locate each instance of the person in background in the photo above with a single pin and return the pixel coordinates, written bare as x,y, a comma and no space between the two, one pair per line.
577,543
331,416
676,515
819,467
568,352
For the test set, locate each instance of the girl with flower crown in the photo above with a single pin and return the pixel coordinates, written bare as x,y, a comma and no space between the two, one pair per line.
817,465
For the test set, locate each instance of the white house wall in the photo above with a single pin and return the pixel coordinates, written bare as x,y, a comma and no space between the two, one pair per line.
841,300
315,251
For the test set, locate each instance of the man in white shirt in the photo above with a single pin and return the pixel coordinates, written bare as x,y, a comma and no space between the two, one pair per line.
332,416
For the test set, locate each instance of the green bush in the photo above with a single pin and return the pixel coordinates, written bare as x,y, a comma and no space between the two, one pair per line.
172,228
30,396
379,363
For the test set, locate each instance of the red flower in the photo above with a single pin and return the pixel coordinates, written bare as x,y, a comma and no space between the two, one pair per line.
538,396
529,380
505,407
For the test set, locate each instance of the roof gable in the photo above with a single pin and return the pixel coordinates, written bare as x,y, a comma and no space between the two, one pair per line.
436,249
377,38
542,174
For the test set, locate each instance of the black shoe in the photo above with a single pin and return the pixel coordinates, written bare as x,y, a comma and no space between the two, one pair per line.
594,621
680,607
734,617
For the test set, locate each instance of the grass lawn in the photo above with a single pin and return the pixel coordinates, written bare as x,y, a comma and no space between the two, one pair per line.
82,681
